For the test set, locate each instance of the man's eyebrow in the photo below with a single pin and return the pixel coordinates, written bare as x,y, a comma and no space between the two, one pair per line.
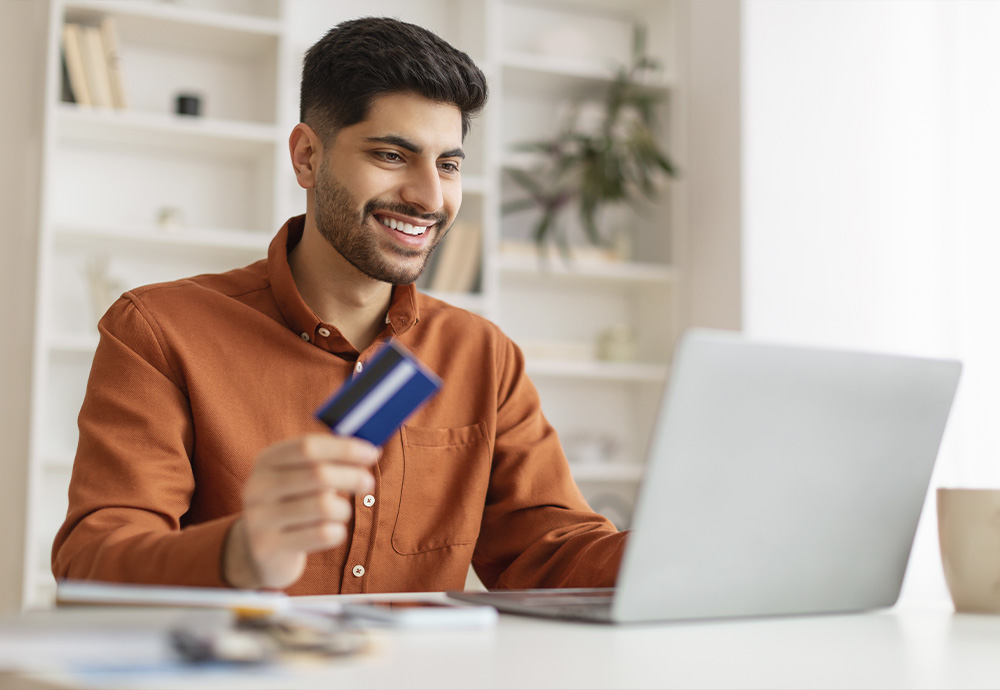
403,142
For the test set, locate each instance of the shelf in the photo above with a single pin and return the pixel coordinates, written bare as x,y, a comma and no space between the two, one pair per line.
73,343
470,301
68,235
474,184
562,77
183,28
597,370
176,133
60,463
607,472
555,268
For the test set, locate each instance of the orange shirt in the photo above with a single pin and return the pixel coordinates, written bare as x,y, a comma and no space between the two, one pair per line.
193,378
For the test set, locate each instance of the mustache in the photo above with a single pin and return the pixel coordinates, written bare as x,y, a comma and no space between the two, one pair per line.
375,205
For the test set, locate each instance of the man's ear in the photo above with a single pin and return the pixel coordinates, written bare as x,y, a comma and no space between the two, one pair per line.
306,150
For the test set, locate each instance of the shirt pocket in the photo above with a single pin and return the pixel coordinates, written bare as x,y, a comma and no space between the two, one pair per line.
446,474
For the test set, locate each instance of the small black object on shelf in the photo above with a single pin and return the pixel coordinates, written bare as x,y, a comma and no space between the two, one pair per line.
188,104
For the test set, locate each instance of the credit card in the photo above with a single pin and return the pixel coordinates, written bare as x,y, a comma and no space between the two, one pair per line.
374,404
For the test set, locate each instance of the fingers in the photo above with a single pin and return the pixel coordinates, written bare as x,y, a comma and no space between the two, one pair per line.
294,502
316,448
292,481
305,511
318,537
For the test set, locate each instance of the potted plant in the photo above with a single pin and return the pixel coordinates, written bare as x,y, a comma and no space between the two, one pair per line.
614,163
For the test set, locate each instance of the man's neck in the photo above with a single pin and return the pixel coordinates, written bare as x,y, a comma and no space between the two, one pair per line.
336,291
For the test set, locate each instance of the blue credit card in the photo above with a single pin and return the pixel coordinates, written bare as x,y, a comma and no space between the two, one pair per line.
374,404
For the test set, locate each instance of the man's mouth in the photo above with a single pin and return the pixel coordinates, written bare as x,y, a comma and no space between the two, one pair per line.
403,227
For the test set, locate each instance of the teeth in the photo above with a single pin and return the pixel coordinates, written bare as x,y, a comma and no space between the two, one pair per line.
405,228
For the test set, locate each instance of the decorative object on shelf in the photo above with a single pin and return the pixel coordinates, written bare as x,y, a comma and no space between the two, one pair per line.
589,448
602,159
613,507
617,344
169,218
188,104
104,289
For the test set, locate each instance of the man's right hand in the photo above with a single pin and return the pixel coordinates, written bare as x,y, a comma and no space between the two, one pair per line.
296,502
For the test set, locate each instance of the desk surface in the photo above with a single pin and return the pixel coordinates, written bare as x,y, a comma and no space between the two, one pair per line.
910,646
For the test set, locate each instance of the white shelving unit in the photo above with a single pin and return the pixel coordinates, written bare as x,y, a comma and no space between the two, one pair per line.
109,176
224,180
548,54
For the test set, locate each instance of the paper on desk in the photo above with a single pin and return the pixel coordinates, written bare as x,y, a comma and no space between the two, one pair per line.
98,637
79,592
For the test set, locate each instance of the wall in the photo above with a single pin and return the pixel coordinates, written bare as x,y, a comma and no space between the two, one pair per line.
713,171
870,149
22,32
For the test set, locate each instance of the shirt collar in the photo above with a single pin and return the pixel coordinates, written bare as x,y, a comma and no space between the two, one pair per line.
401,316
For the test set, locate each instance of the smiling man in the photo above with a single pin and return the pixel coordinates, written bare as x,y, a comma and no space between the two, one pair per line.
200,462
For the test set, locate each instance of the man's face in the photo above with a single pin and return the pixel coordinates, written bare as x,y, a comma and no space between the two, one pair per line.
389,187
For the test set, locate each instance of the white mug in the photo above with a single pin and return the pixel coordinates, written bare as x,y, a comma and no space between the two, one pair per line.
969,535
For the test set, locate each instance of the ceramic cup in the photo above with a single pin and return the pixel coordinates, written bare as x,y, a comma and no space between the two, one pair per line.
969,534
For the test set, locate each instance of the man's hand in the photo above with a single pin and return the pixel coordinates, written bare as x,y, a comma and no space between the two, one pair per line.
296,502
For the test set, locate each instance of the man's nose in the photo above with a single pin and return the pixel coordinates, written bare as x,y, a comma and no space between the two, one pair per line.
422,188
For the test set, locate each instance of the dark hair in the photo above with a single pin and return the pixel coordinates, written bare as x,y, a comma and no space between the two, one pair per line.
361,59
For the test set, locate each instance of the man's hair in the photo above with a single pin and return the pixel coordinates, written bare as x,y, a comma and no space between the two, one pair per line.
359,60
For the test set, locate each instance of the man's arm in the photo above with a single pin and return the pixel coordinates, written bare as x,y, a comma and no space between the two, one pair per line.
538,530
133,481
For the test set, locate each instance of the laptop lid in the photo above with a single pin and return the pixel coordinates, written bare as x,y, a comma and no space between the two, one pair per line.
781,480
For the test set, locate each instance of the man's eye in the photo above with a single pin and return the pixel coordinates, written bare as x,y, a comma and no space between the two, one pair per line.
450,167
389,156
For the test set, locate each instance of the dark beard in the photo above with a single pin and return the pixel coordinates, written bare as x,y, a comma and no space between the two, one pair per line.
338,222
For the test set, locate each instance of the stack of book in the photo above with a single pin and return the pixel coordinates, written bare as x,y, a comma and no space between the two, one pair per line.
458,259
92,77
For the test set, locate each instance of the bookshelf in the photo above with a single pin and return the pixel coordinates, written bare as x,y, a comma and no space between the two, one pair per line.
138,194
111,176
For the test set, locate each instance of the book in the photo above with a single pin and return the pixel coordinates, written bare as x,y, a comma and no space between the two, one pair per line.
66,90
457,267
73,53
96,67
109,40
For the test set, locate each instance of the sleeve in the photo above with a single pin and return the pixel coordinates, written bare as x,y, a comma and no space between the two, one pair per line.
132,479
537,529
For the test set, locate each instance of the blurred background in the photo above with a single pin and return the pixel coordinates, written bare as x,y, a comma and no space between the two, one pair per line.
815,172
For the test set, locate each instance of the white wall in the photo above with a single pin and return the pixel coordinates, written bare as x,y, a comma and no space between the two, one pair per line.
870,152
22,32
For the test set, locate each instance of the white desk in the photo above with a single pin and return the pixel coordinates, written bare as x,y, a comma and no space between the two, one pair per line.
911,646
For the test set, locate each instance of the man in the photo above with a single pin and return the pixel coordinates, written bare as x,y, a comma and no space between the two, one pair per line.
200,462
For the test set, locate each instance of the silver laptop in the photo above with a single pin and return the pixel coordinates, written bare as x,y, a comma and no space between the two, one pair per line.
779,480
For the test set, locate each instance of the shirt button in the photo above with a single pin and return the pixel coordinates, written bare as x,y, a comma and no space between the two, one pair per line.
325,332
369,500
358,571
359,366
305,337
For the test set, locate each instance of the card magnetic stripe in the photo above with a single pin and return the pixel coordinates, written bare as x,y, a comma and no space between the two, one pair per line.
386,360
403,397
373,405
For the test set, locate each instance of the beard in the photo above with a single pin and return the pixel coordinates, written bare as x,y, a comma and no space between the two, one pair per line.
348,230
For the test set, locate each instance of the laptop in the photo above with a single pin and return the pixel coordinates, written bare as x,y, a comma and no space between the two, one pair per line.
779,480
